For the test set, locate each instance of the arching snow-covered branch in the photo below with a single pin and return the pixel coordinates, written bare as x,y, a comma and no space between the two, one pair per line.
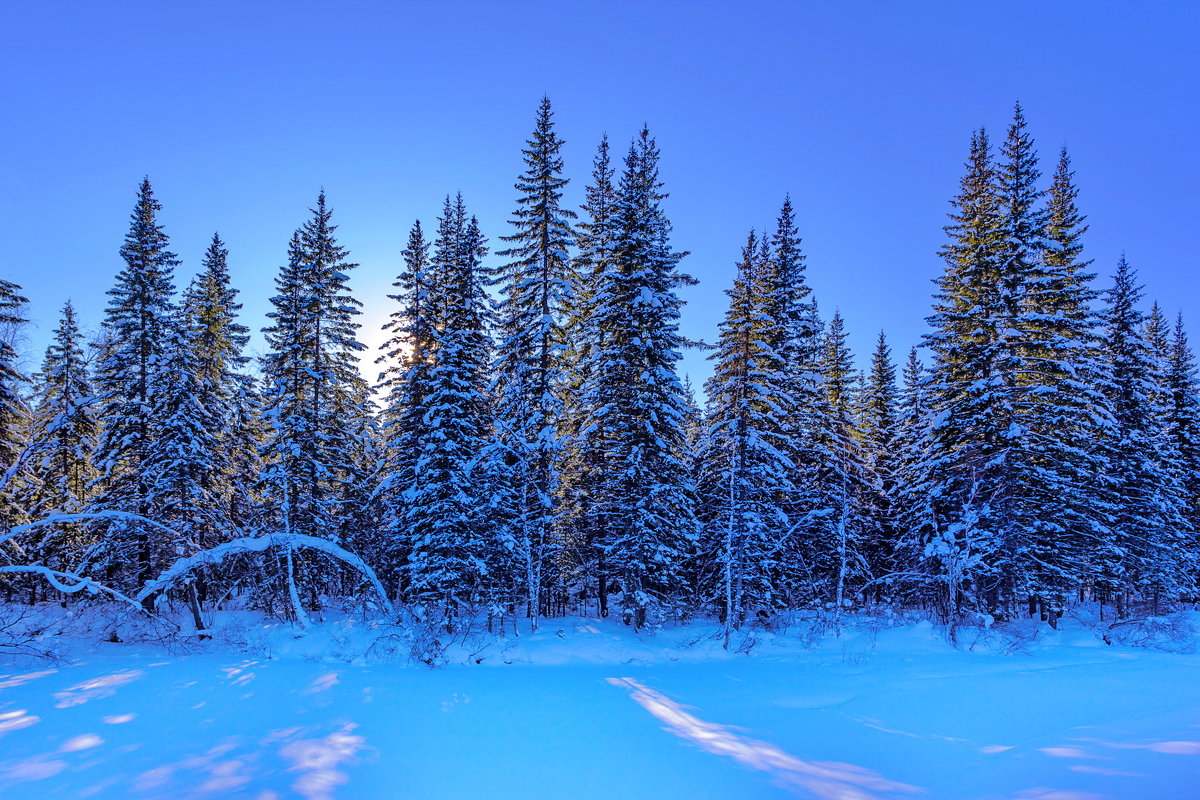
58,578
128,516
258,544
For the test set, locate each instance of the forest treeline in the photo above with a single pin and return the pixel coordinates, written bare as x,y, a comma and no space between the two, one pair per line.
529,448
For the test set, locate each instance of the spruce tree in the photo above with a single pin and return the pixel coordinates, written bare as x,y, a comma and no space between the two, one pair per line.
138,322
454,564
315,397
530,376
746,476
879,424
217,342
1184,430
1143,558
63,441
580,522
407,359
315,389
12,406
635,398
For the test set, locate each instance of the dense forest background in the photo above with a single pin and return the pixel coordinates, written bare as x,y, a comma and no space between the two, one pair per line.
528,448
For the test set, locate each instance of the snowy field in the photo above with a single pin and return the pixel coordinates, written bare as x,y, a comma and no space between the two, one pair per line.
586,709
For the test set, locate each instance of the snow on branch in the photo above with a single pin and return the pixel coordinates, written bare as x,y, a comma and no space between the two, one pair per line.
258,544
128,516
58,579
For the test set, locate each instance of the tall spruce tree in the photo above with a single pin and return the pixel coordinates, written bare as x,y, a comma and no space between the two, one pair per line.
746,476
217,342
315,386
580,523
879,424
1143,556
63,441
315,397
138,322
407,359
454,565
635,398
530,376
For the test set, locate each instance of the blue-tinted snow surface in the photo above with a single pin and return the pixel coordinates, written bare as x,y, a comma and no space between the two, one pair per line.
599,713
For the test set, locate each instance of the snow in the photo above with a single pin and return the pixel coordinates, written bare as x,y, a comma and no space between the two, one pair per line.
587,708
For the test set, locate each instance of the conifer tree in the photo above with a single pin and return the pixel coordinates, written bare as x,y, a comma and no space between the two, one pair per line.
530,375
580,523
180,465
454,565
636,400
879,425
1142,558
315,389
405,381
63,440
1183,428
12,406
837,522
746,474
138,322
217,342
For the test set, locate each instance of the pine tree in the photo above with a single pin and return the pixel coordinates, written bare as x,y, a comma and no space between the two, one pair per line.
636,400
138,322
530,375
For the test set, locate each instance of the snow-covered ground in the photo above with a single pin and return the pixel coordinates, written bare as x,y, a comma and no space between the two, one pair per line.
587,709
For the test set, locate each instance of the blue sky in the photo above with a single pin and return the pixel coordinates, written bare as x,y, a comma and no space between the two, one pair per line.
240,112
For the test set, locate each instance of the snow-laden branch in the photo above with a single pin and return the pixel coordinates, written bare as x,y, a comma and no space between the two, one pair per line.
128,516
58,578
258,544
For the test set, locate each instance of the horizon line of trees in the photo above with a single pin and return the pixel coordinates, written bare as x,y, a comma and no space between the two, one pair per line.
529,448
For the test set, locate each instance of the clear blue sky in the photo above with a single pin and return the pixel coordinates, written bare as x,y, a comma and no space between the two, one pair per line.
240,111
